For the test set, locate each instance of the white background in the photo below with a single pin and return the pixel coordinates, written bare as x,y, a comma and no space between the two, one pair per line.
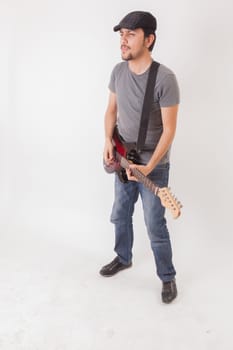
55,62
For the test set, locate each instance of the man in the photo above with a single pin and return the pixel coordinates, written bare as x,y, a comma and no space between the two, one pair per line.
127,88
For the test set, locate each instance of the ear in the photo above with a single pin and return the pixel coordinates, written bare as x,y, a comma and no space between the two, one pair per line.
149,40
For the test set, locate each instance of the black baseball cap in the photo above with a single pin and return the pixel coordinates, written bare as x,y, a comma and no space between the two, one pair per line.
137,19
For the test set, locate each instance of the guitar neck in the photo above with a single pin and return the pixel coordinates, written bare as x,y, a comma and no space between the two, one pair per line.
167,198
138,174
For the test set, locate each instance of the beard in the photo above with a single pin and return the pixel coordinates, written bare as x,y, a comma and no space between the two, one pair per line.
128,57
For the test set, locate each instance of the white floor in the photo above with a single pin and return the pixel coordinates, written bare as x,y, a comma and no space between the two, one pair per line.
52,297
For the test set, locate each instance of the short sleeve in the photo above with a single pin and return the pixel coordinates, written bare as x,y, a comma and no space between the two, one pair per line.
112,82
168,91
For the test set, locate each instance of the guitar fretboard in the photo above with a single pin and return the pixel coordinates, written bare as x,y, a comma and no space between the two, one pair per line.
138,174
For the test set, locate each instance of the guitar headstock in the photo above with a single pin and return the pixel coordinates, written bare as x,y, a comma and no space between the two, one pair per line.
169,201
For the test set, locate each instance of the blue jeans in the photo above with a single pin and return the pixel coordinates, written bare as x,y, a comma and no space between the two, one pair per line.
126,195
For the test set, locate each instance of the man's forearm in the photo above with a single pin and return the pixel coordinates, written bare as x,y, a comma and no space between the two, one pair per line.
161,149
169,117
110,122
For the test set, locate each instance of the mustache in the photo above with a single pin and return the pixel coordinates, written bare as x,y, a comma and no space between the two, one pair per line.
122,46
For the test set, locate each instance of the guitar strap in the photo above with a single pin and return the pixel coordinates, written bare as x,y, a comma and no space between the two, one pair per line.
147,104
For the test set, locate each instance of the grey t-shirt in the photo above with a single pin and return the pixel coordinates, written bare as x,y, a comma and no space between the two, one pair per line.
130,89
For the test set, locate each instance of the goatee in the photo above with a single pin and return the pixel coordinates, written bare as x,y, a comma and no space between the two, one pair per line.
127,58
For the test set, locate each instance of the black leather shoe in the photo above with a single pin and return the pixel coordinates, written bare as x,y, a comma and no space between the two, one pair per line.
169,291
113,267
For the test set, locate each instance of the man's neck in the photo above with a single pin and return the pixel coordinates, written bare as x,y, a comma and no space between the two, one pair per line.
139,66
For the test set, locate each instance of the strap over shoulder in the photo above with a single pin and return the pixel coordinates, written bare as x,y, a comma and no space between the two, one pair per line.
147,104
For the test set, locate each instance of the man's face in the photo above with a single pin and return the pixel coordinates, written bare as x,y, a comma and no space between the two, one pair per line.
133,43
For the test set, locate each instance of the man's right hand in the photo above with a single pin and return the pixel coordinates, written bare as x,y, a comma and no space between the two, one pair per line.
108,152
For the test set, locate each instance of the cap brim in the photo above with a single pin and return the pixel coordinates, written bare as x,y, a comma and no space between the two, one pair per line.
120,26
116,28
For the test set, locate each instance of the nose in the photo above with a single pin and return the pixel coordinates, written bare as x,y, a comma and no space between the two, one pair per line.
123,38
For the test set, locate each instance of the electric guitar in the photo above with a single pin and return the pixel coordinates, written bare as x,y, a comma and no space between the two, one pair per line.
167,198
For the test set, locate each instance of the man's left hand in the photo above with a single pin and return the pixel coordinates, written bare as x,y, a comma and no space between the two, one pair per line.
144,169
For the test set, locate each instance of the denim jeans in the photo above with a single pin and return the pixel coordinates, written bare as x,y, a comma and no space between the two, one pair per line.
126,195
